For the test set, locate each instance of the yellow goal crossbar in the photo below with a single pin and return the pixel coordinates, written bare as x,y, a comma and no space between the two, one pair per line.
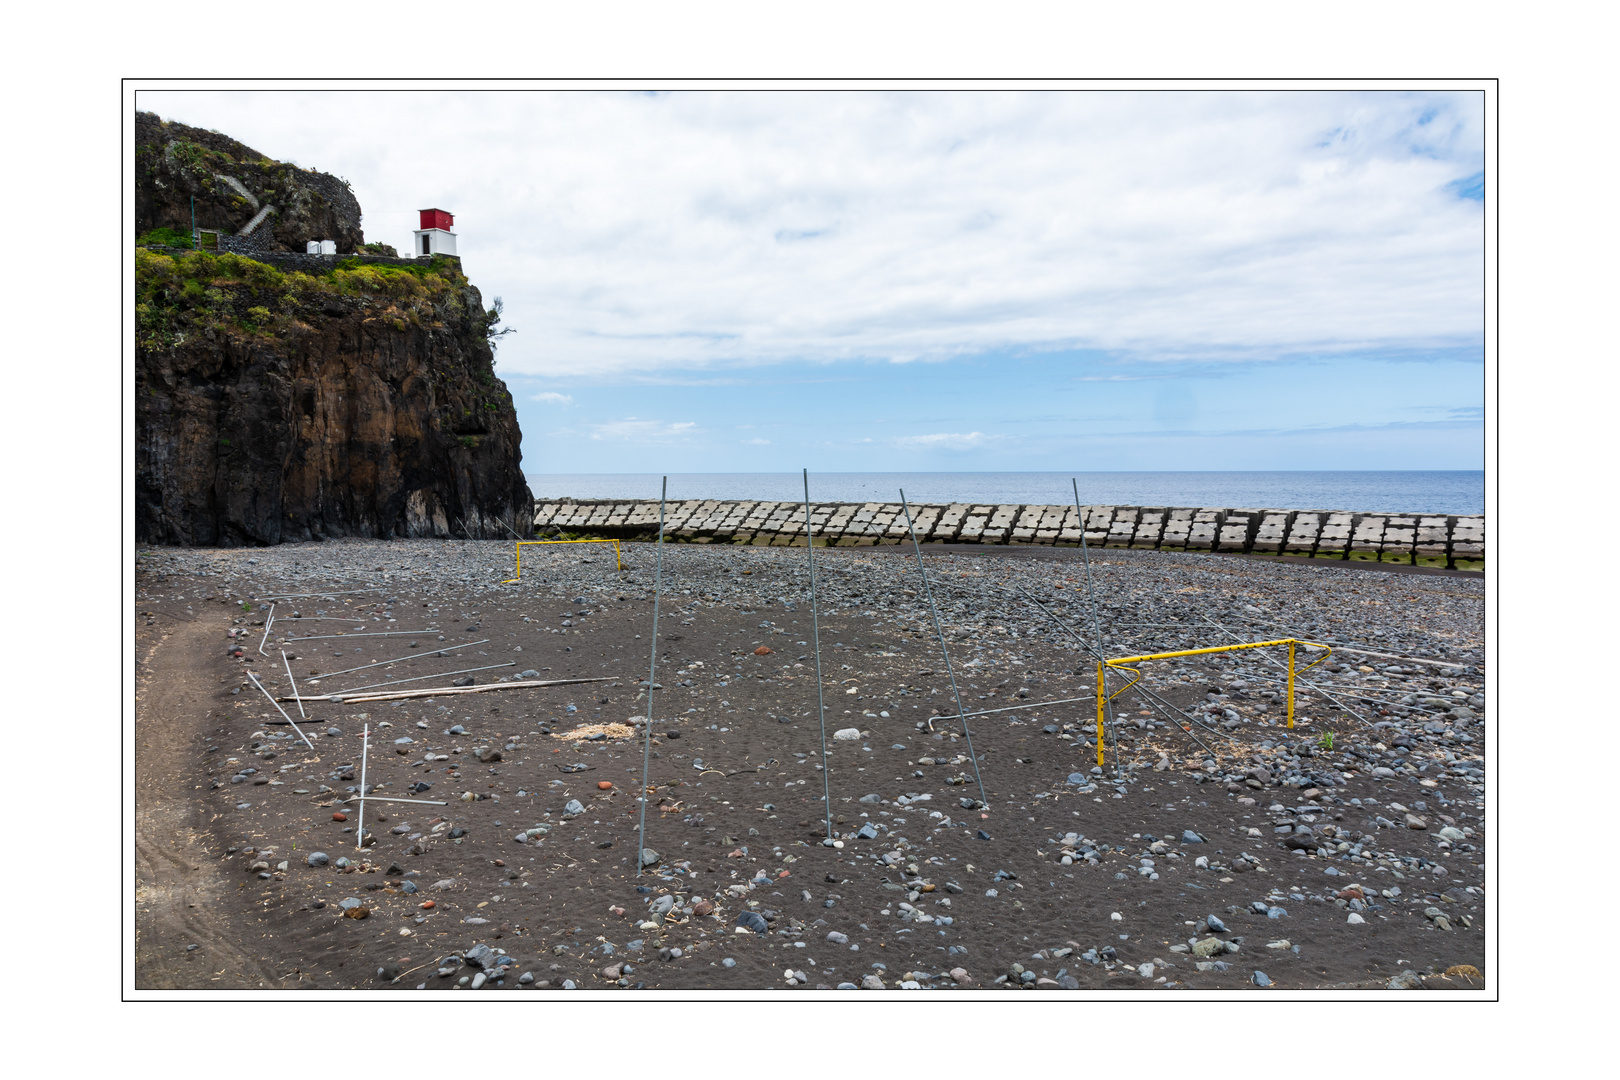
521,544
1118,664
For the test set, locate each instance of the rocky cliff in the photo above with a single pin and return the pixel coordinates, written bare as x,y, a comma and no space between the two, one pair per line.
235,189
355,401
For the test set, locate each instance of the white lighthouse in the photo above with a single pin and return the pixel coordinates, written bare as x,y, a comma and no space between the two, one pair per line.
435,237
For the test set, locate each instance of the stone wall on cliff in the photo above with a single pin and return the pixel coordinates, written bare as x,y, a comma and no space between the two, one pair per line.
232,184
275,405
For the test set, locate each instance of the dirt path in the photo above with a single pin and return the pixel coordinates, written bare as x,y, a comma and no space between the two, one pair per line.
180,887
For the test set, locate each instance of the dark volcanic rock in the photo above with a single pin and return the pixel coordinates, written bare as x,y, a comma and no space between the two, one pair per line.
232,183
279,406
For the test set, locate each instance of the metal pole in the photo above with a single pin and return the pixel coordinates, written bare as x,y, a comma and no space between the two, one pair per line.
1290,686
195,246
1104,703
331,694
294,682
940,630
1102,738
397,660
279,709
360,819
424,802
652,673
815,639
375,633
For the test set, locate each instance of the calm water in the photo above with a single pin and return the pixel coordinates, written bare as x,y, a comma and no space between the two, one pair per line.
1459,492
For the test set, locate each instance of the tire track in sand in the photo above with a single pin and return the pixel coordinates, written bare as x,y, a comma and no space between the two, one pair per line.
181,896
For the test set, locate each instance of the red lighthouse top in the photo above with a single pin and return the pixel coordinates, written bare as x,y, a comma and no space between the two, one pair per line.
437,219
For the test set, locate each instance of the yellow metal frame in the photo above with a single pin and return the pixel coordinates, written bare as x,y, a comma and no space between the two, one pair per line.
521,544
1118,664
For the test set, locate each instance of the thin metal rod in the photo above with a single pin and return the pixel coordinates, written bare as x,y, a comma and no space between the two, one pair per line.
652,679
385,798
418,678
377,633
1013,708
360,818
1096,622
815,639
398,659
1364,652
320,618
279,709
364,694
307,595
268,623
939,629
285,663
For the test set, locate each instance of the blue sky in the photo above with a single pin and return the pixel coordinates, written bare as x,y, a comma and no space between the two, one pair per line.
943,280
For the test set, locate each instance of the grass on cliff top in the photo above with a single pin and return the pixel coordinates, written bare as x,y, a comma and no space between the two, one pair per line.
201,291
351,277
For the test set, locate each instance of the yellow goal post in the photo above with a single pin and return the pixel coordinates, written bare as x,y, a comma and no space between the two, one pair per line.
1118,664
521,544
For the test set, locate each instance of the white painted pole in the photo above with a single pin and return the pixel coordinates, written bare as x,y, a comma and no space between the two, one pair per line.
294,682
268,623
279,709
360,823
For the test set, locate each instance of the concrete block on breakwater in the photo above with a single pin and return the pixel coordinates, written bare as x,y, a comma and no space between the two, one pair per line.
1419,539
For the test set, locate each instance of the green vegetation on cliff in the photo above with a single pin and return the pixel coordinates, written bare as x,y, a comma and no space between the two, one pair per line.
184,295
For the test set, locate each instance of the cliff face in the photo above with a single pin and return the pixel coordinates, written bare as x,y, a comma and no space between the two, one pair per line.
278,406
235,186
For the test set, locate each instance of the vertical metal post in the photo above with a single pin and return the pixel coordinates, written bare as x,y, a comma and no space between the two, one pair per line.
1290,685
195,244
652,672
1100,736
1096,624
939,629
360,821
815,640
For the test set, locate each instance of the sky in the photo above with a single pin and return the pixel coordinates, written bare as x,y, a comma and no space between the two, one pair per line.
942,280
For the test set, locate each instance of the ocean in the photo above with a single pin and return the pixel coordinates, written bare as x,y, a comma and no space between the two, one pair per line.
1448,492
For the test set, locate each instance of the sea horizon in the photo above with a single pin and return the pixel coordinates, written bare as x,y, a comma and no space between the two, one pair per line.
1428,491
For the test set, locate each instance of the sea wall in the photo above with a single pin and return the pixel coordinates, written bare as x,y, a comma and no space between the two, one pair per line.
1419,539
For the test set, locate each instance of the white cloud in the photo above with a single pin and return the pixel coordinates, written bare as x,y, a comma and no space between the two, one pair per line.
632,234
631,429
759,442
551,397
972,440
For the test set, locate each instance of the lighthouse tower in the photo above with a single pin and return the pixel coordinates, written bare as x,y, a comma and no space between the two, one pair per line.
435,237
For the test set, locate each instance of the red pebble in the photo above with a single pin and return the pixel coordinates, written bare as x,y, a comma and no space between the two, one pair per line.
604,785
340,817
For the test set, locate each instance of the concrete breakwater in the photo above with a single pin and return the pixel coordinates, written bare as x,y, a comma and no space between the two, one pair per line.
1453,541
